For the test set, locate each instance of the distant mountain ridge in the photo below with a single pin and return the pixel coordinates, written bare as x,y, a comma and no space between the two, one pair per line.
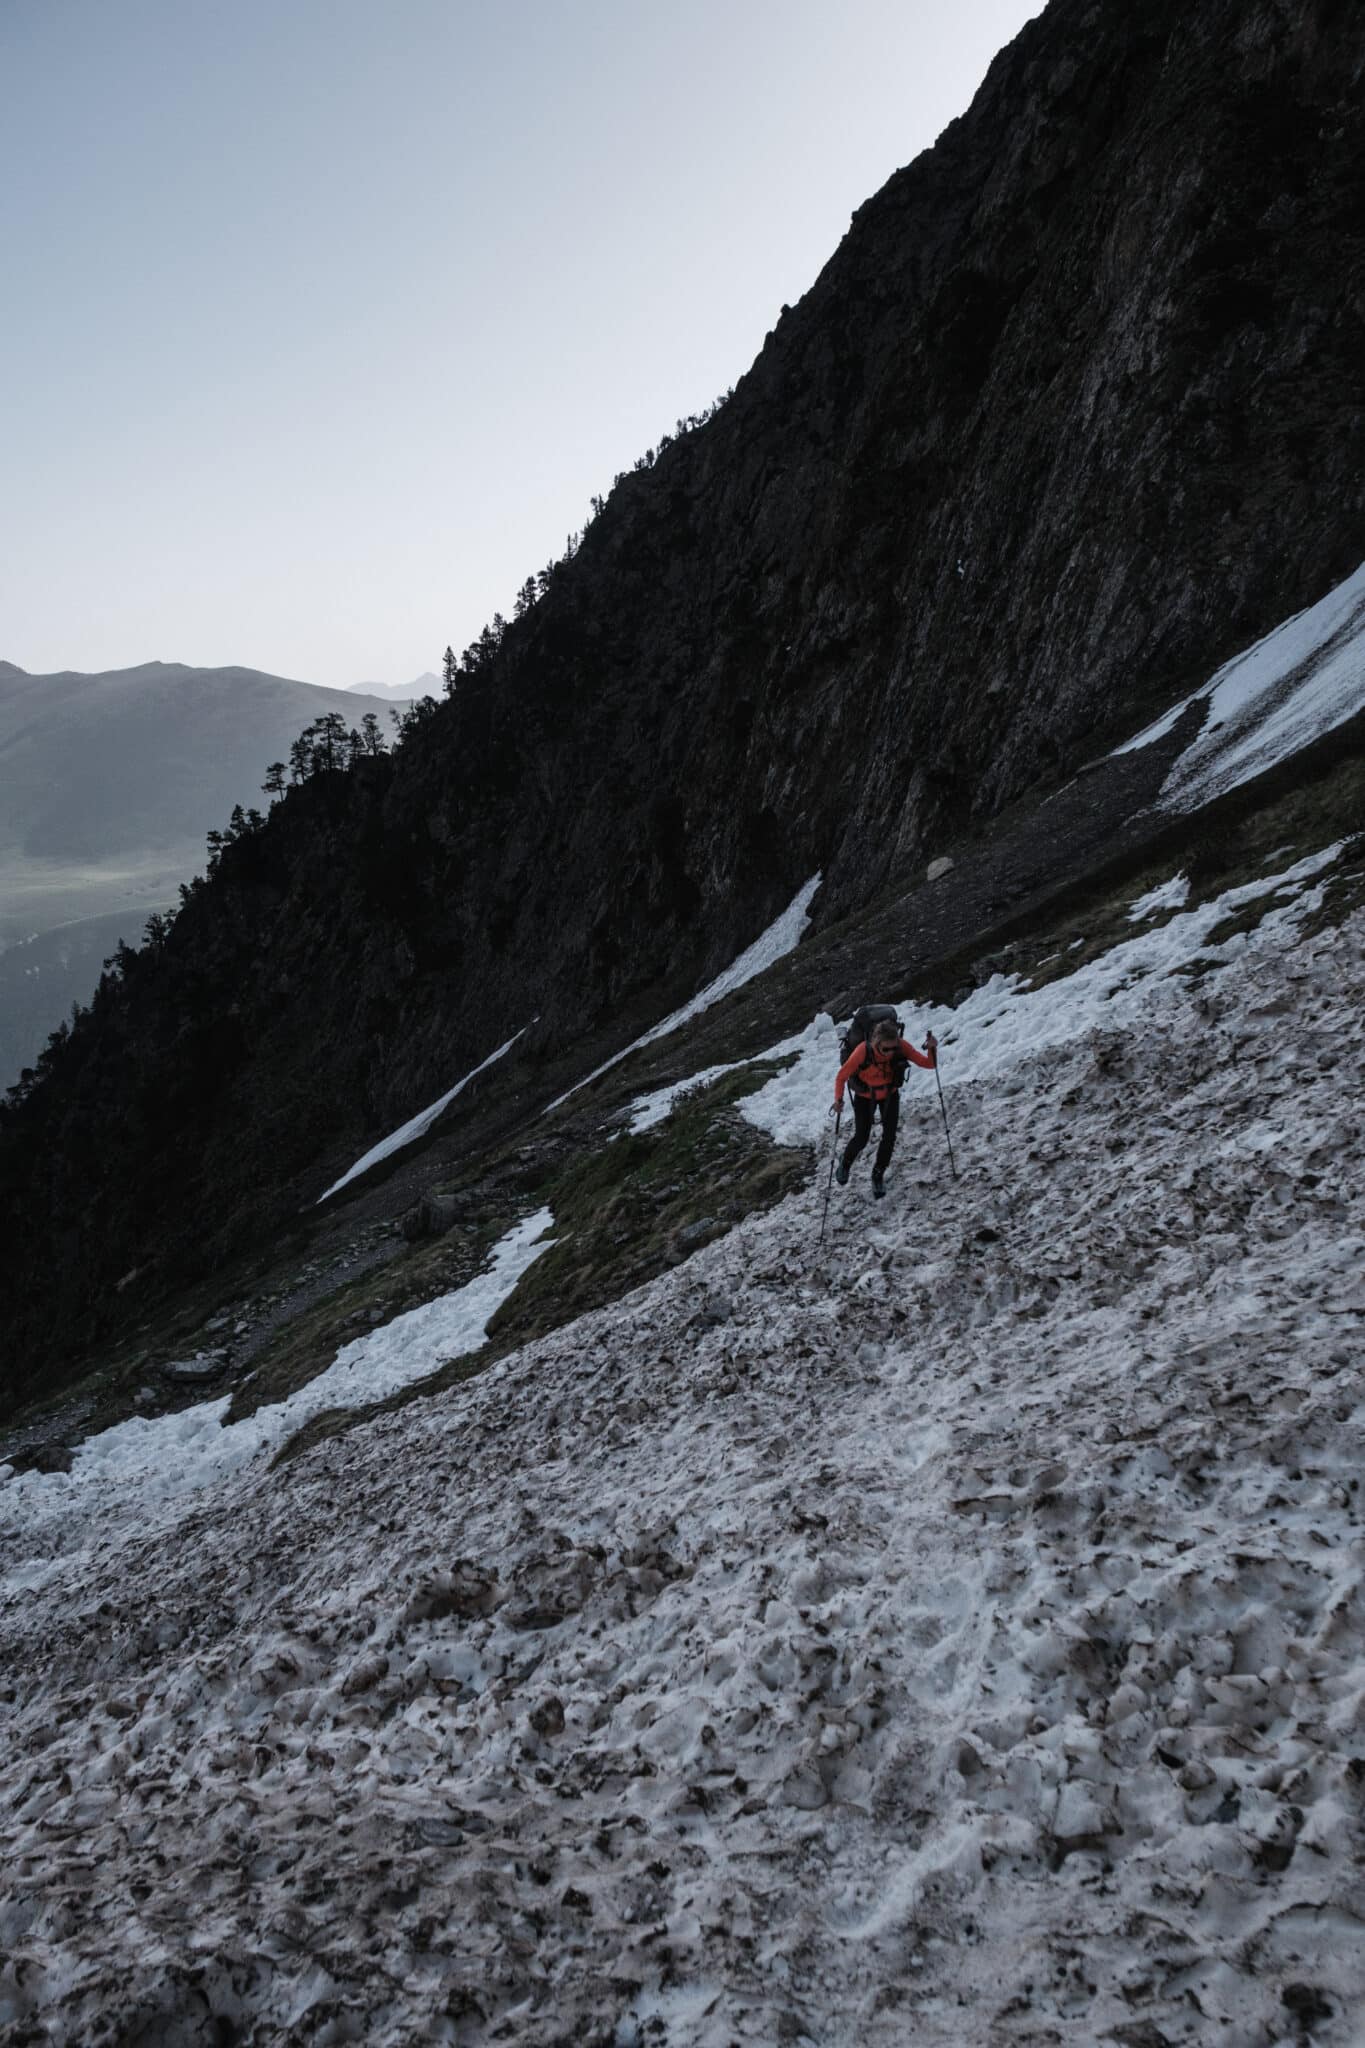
109,783
427,684
137,759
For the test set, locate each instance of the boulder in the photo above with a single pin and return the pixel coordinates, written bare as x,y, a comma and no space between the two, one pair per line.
49,1458
202,1370
433,1216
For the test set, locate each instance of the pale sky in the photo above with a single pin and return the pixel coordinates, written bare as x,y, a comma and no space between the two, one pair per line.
324,319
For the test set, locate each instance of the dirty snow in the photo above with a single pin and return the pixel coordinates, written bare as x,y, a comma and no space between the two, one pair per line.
1004,1023
1299,682
128,1475
781,937
418,1126
651,1109
1171,895
951,1635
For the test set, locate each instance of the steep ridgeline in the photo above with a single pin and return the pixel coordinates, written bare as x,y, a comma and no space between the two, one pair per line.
1072,414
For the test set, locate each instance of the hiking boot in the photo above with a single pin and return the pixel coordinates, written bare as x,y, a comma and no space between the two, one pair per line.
878,1185
841,1173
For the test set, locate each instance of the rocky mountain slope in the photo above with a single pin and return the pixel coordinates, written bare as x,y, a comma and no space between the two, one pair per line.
950,1632
1072,414
534,1578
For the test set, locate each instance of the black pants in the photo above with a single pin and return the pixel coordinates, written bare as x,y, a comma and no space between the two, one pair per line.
863,1107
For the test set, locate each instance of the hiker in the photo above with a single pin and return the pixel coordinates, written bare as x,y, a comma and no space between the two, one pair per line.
874,1071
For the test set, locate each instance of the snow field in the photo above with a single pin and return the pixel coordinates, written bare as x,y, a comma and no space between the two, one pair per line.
145,1472
954,1635
1005,1023
1299,682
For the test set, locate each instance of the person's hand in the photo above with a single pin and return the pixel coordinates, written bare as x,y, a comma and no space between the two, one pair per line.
930,1043
835,1107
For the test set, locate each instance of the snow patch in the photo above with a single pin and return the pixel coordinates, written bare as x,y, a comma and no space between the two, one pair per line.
1005,1024
125,1473
417,1126
1166,896
781,937
1299,682
648,1110
1158,729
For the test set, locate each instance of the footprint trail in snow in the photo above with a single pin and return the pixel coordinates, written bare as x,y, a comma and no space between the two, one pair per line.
951,1635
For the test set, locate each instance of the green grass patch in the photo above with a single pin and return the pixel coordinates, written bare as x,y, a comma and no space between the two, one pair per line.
644,1203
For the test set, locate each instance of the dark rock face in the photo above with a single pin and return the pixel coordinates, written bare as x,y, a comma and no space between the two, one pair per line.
1072,415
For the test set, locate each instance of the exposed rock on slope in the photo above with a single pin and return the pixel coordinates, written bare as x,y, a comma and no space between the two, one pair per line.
1073,413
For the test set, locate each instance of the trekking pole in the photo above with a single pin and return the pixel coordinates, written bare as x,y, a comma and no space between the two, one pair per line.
834,1154
944,1107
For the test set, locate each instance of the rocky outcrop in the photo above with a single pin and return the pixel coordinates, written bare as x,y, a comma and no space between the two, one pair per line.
1071,415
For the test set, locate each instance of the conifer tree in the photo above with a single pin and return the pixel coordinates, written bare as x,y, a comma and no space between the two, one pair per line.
329,741
450,670
416,715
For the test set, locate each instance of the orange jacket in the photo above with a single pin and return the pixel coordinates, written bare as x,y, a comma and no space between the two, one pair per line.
877,1076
